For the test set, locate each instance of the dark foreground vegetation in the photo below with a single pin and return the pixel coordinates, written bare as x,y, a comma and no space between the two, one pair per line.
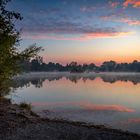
19,123
37,64
10,55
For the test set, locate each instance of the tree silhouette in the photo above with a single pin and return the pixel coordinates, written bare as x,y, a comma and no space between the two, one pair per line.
9,42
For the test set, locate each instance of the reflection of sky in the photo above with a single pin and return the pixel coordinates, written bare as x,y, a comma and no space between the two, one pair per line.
116,104
81,30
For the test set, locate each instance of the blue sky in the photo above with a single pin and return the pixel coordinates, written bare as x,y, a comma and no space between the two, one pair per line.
81,30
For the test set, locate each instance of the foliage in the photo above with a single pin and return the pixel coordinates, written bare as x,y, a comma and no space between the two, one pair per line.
10,56
9,42
37,64
25,105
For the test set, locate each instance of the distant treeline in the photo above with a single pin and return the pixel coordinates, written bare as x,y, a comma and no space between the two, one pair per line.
37,64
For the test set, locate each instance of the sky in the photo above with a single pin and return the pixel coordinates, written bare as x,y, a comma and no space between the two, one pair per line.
86,31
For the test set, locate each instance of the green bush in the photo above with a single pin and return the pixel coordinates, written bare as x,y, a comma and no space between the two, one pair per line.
25,105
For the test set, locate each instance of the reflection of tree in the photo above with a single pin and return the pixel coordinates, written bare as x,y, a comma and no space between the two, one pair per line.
38,81
73,79
109,79
26,82
135,79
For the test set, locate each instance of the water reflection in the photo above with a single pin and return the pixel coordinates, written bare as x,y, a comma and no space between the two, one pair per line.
37,81
110,99
88,106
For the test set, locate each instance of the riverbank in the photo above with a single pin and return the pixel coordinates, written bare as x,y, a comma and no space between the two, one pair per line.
17,123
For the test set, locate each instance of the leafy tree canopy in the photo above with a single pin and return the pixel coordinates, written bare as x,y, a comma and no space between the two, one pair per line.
9,42
10,55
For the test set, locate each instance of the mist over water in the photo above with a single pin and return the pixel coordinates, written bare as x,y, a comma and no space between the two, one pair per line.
111,99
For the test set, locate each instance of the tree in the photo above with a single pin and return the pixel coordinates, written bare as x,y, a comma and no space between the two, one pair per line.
36,64
108,66
9,42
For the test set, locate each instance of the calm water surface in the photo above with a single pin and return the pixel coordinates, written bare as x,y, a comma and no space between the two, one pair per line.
108,99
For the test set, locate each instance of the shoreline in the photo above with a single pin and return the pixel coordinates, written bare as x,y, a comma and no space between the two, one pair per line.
16,122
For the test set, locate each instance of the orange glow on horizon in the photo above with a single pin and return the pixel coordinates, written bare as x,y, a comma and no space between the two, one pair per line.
97,61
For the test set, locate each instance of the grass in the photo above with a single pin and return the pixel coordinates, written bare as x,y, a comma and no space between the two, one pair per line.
25,105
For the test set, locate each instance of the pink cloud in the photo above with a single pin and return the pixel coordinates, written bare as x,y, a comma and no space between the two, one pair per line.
134,3
106,35
108,17
124,19
114,4
84,37
130,21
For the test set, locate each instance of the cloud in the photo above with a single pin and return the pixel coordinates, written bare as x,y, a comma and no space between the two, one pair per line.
57,23
111,16
134,3
85,37
66,30
121,18
113,4
114,15
44,12
88,9
130,21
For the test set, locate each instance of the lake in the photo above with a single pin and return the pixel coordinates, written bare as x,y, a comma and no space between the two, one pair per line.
111,99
